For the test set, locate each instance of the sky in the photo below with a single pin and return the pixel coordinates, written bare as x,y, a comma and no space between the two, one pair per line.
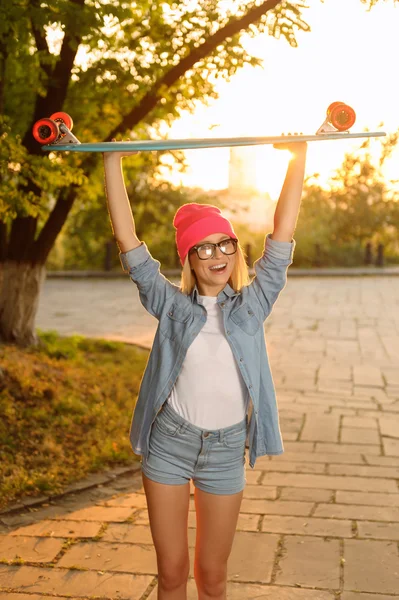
350,55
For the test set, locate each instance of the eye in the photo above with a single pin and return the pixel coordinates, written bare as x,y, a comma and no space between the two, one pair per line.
207,248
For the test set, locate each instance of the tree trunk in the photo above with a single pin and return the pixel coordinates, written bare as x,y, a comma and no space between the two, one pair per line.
19,300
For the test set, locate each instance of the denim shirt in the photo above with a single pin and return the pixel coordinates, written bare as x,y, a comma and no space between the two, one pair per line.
181,318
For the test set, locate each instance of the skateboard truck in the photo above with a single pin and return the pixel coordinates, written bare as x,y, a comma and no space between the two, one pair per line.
340,118
55,130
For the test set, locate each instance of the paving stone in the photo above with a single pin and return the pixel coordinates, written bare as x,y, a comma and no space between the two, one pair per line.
359,422
337,410
364,471
313,562
343,511
252,557
371,499
384,461
16,596
100,513
64,529
127,501
128,533
104,556
389,426
306,495
321,428
299,447
307,526
266,507
330,482
348,449
391,447
320,457
242,591
378,531
113,586
260,491
293,467
339,373
32,549
355,435
360,596
367,376
371,566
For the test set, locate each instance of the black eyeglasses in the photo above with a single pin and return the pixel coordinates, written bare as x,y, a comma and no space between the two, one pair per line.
205,251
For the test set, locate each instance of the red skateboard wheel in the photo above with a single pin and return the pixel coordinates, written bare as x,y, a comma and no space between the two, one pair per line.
342,117
62,117
45,131
332,106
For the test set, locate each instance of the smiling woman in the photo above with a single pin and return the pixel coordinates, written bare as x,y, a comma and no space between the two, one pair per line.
207,388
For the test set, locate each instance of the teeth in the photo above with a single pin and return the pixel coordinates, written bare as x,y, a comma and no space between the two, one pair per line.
218,267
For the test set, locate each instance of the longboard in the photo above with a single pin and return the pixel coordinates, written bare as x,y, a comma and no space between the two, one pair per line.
55,134
190,144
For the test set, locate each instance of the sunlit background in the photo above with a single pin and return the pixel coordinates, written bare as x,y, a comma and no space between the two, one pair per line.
350,55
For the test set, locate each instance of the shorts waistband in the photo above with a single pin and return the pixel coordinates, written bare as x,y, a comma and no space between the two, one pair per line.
168,411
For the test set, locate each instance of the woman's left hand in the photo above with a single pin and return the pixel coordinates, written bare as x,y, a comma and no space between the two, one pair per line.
294,147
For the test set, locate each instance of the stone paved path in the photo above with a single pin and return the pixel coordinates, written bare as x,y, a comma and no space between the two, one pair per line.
320,522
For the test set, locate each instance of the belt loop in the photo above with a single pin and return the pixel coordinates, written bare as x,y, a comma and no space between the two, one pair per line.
221,435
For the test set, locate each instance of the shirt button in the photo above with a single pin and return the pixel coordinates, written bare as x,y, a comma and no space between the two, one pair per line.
228,332
241,360
250,387
222,304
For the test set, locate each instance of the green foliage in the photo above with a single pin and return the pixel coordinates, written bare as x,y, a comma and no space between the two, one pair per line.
82,244
126,55
65,410
18,167
360,206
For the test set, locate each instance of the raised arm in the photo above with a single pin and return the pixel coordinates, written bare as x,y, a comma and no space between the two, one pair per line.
119,210
287,209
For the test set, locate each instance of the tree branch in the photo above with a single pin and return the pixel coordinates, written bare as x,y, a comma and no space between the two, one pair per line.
151,99
57,86
41,45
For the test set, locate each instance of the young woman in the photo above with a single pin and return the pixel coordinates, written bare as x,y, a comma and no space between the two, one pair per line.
207,388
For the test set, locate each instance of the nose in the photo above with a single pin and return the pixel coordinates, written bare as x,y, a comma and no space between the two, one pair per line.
218,253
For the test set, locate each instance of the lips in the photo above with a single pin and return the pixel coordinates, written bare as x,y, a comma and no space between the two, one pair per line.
221,268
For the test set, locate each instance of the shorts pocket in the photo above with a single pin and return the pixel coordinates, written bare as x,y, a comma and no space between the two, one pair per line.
235,439
166,426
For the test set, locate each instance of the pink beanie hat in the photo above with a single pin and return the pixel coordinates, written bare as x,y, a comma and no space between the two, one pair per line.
194,221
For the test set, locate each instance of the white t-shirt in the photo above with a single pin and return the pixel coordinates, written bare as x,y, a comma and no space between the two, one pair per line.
210,392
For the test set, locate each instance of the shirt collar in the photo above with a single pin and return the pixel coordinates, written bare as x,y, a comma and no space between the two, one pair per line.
227,292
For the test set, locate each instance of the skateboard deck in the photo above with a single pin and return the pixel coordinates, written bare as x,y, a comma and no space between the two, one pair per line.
190,144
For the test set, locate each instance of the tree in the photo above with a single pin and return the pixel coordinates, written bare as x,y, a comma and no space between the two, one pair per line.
358,206
117,67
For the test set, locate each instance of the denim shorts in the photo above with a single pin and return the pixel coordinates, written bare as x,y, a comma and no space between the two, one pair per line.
180,451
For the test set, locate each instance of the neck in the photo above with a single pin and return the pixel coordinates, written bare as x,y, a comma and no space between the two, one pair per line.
207,290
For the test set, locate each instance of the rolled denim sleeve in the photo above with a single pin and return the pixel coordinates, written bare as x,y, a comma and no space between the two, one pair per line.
271,273
154,288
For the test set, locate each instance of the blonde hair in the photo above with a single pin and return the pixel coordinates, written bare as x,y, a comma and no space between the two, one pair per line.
238,279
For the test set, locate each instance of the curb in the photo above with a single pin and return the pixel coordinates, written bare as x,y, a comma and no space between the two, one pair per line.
292,272
92,481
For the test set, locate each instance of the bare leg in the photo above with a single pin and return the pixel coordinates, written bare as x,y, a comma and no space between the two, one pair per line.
168,513
216,524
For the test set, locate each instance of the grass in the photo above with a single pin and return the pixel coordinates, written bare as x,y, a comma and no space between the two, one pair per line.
65,411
